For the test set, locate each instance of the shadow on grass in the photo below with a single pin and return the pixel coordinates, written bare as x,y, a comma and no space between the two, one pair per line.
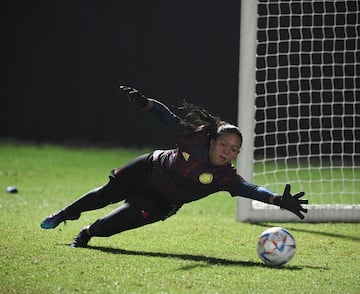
316,232
191,257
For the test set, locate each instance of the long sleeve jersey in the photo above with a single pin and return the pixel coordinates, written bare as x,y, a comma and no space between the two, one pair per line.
186,174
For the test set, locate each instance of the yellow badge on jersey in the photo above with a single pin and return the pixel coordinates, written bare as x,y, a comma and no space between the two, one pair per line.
206,178
185,155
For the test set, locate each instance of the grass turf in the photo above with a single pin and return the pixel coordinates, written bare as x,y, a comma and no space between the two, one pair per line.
202,249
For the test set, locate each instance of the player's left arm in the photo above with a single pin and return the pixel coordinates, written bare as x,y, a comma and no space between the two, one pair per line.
287,201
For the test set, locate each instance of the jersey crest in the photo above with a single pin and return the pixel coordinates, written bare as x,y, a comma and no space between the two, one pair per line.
206,178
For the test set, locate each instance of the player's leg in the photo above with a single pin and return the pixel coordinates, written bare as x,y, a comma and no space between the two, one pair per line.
123,182
129,216
96,198
93,199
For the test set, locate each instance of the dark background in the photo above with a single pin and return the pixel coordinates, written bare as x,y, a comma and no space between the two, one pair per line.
62,63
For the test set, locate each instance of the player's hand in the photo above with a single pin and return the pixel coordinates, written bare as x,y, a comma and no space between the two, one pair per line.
135,97
290,202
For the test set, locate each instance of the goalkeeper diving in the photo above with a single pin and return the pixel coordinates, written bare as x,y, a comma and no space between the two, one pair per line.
156,185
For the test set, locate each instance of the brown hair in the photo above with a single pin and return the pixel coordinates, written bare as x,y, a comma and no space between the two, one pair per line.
199,120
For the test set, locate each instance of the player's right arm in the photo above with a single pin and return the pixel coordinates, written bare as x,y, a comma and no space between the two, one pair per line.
159,109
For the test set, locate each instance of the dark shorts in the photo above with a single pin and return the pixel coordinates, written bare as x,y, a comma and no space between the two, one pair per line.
131,182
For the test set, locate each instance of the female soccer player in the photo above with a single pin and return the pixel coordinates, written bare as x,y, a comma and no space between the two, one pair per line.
156,185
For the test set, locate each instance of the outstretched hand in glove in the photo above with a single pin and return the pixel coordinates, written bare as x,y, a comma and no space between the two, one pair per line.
135,97
290,202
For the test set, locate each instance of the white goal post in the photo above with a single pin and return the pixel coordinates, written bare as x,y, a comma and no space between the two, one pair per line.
299,106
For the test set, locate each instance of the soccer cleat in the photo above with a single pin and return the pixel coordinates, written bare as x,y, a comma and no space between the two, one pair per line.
82,239
53,220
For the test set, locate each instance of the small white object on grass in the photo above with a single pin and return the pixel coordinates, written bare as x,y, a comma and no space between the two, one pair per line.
11,189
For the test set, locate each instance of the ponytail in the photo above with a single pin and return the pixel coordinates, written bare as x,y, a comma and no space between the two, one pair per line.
199,120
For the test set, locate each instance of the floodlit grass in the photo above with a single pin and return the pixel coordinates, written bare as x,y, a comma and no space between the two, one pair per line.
202,249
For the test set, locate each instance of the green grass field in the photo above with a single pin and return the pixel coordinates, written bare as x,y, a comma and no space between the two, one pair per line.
328,185
202,249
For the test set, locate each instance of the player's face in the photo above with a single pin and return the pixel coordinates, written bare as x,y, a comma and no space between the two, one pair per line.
224,149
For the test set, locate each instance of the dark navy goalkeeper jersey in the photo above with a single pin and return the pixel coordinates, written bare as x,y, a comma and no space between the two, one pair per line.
185,174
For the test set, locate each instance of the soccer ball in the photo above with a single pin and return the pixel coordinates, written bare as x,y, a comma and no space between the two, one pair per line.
276,246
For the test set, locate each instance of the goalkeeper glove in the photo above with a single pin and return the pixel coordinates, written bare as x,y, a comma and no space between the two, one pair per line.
135,97
291,202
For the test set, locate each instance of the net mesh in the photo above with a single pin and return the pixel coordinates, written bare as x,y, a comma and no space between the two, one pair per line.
307,99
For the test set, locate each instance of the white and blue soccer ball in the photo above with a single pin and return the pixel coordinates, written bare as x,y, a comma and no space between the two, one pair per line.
276,246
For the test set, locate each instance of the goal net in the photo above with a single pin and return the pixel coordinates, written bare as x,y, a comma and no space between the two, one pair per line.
299,110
